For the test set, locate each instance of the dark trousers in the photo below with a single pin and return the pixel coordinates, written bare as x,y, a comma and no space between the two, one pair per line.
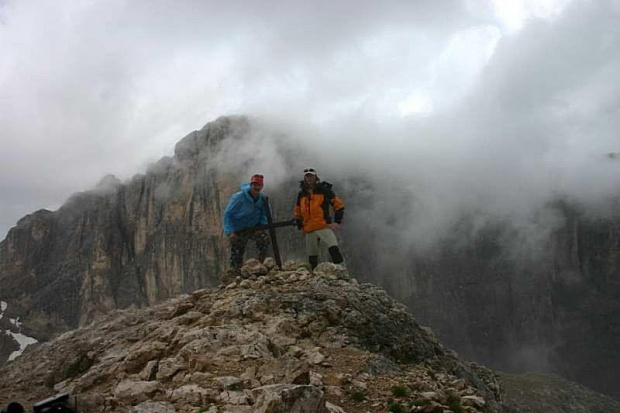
236,249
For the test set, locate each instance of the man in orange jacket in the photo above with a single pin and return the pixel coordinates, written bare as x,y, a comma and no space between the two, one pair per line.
312,215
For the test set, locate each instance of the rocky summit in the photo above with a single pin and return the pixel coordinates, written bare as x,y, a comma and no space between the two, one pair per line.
270,341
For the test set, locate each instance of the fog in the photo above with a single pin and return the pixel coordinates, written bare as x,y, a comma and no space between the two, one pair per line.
490,107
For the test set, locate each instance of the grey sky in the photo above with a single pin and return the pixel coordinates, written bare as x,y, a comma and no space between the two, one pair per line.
498,103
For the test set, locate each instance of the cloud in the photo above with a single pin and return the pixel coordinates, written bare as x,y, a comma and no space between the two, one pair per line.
460,104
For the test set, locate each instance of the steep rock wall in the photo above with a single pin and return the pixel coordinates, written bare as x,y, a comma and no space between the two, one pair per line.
557,310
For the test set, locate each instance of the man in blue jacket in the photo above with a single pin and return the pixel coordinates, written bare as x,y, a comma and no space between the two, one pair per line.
246,210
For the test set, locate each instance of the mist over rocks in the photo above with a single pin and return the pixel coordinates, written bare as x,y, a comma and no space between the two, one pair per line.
280,343
511,292
538,392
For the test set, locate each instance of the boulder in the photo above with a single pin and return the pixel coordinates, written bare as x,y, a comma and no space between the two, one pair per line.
192,394
332,408
289,398
229,383
253,267
136,391
269,263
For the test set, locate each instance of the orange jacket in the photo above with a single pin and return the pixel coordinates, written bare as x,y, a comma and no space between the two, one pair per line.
312,206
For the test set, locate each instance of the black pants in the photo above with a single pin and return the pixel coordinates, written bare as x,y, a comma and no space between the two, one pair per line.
236,249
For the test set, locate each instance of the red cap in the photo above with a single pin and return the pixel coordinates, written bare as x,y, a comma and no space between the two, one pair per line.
257,179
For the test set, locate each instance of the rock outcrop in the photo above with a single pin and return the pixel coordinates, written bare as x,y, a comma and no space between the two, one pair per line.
288,341
120,245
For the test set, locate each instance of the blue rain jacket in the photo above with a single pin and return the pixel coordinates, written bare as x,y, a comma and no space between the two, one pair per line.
243,211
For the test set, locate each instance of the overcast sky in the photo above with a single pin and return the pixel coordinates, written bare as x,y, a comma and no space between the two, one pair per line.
502,102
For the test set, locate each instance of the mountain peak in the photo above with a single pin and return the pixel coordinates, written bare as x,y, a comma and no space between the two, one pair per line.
276,341
207,139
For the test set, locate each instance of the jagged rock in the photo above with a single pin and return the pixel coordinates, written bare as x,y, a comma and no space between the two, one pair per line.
359,384
292,265
228,383
192,394
254,267
233,397
314,356
141,355
136,391
269,263
267,380
168,367
332,271
150,371
64,387
249,374
473,401
283,398
332,408
301,378
344,378
295,351
316,379
292,278
231,286
284,369
246,284
93,402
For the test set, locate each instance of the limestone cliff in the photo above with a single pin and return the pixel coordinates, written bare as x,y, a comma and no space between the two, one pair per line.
119,245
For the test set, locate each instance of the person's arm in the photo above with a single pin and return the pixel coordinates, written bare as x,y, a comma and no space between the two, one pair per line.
263,216
297,214
233,205
339,210
338,207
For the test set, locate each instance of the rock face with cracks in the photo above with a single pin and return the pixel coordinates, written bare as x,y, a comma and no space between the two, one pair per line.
286,341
